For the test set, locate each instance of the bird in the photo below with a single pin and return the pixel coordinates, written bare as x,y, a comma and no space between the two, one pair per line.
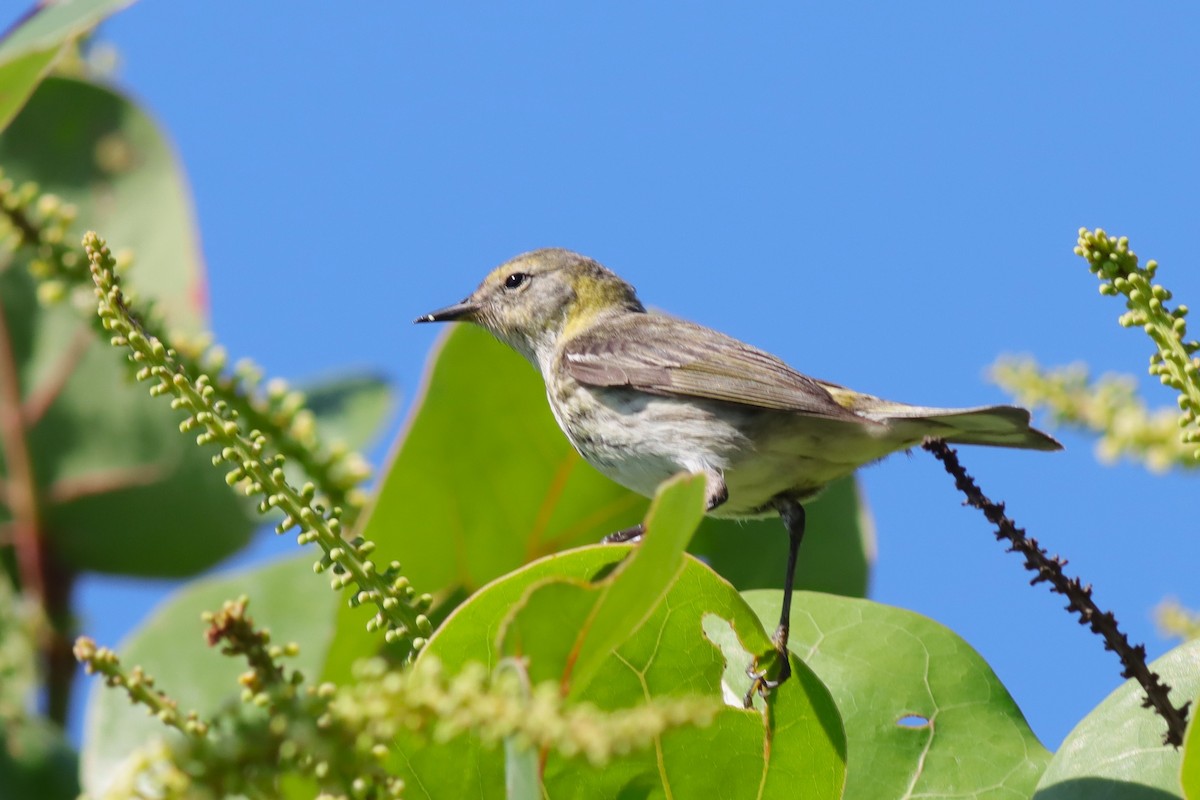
643,395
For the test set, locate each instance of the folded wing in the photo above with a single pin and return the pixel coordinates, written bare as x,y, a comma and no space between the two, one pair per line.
665,356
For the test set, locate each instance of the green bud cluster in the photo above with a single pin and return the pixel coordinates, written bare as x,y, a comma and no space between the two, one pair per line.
22,623
497,706
337,471
1175,363
138,686
41,223
1174,620
282,726
255,467
299,733
342,739
1108,406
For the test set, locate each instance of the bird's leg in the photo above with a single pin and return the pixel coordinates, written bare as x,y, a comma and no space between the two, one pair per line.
715,493
793,518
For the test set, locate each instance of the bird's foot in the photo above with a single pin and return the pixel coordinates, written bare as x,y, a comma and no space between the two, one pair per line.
633,534
760,684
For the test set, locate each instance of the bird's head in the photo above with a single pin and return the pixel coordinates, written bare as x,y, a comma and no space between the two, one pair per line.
537,298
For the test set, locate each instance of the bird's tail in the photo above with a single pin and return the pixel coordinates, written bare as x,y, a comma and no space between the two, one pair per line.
999,426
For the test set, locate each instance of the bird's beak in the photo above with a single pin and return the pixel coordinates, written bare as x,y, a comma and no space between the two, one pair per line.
464,310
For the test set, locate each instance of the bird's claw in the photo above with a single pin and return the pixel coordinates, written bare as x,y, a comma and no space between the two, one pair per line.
760,684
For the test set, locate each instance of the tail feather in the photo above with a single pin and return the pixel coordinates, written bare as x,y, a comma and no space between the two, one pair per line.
998,426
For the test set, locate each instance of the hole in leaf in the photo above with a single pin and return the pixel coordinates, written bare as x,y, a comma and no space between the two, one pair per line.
914,721
734,682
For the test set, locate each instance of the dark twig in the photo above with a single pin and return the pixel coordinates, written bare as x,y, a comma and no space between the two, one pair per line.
1050,569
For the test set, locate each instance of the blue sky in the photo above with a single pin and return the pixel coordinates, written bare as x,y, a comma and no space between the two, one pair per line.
886,196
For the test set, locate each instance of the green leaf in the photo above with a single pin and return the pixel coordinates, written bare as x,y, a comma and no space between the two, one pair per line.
924,713
483,481
521,778
1189,773
1117,750
644,645
36,761
596,618
28,50
171,647
520,772
120,490
53,23
19,76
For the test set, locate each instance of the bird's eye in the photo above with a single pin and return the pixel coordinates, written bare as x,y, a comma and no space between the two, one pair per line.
515,280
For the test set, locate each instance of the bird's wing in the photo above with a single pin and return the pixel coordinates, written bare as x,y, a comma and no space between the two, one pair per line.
662,355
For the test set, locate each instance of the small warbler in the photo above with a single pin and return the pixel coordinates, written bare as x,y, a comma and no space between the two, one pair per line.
643,395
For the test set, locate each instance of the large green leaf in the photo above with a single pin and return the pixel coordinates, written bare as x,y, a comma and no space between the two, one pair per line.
482,481
36,761
1189,773
170,646
119,489
578,618
19,76
1117,750
591,619
925,716
29,49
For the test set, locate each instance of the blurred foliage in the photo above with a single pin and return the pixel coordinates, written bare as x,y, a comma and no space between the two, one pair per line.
557,668
1110,407
1175,620
45,34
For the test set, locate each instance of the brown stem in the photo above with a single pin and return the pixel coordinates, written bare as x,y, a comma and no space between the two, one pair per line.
1050,569
41,397
39,573
68,490
56,643
22,487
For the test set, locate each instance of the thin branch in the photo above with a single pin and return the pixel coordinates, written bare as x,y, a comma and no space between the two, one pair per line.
43,396
1050,569
55,644
69,489
22,495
